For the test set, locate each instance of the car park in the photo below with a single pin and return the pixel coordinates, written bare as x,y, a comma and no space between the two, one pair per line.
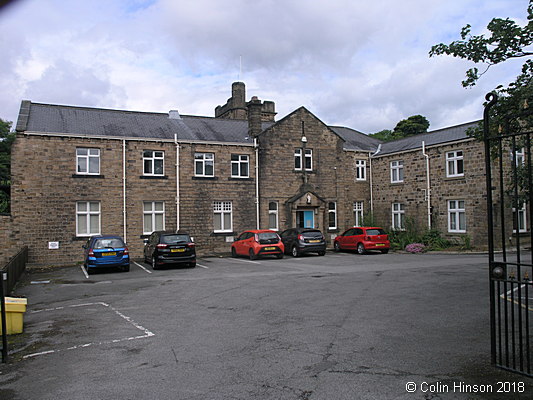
105,252
258,242
362,239
170,248
299,241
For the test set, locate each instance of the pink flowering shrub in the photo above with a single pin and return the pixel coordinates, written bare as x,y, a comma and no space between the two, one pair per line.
415,248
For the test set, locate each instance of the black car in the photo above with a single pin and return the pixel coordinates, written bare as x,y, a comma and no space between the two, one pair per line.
169,248
303,240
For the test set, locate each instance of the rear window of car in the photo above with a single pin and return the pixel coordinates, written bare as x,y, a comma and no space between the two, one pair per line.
171,239
107,243
312,234
375,232
267,236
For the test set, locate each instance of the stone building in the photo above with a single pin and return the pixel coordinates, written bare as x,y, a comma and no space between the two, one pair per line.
79,171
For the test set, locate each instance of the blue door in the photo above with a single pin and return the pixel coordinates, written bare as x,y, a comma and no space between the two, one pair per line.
309,219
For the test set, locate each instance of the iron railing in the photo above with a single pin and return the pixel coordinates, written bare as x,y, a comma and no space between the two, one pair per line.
508,165
9,275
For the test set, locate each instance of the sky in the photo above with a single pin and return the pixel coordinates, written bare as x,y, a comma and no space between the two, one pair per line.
356,63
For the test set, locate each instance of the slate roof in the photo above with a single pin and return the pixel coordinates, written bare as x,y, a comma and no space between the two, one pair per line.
60,119
440,136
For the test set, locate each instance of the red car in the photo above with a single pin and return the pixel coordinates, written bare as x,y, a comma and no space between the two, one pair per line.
363,239
255,243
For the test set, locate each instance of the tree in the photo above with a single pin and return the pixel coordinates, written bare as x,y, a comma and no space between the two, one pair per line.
506,41
413,125
512,112
6,140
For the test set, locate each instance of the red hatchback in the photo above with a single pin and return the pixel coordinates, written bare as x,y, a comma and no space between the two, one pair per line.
255,243
363,239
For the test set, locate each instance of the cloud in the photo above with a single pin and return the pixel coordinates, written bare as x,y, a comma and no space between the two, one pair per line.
359,64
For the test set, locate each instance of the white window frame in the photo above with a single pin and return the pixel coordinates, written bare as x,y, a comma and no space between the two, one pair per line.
454,159
358,213
223,208
396,171
87,213
360,170
522,219
275,213
398,216
242,159
85,159
153,212
152,159
205,159
334,212
301,162
455,210
520,157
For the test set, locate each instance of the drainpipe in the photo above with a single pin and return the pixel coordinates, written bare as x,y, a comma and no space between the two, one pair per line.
428,184
256,183
124,187
177,182
370,156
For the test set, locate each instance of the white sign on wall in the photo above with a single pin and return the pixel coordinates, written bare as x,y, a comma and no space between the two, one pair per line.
53,245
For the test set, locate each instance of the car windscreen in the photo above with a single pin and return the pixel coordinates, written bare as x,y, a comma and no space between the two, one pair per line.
177,238
267,237
312,235
108,243
375,232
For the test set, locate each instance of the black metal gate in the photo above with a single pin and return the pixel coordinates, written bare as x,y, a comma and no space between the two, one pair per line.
510,235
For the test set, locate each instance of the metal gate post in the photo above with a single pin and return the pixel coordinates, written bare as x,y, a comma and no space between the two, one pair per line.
3,317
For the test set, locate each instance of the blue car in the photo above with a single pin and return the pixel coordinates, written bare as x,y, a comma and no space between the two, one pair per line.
106,251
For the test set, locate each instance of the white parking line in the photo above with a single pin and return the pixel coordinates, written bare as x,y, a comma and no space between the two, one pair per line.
84,271
202,266
139,265
248,261
146,332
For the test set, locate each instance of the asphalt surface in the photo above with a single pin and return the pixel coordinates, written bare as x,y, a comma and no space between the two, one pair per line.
342,326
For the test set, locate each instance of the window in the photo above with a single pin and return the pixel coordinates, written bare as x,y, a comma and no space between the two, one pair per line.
308,159
332,215
153,216
360,170
358,213
454,164
222,216
273,215
204,164
519,157
396,171
520,218
456,216
239,166
87,218
153,162
87,161
398,216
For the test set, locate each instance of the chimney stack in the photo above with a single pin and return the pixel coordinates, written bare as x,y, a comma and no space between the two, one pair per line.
254,116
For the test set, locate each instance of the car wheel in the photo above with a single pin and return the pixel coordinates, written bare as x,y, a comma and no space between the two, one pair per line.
294,251
192,264
125,268
233,252
252,254
321,253
88,270
279,256
154,264
385,251
361,248
337,247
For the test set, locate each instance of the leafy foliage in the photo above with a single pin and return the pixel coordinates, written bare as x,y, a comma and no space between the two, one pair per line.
413,125
506,40
6,140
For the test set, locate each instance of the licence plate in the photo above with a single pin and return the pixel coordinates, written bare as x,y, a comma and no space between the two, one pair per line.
380,244
112,253
270,248
314,241
177,250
